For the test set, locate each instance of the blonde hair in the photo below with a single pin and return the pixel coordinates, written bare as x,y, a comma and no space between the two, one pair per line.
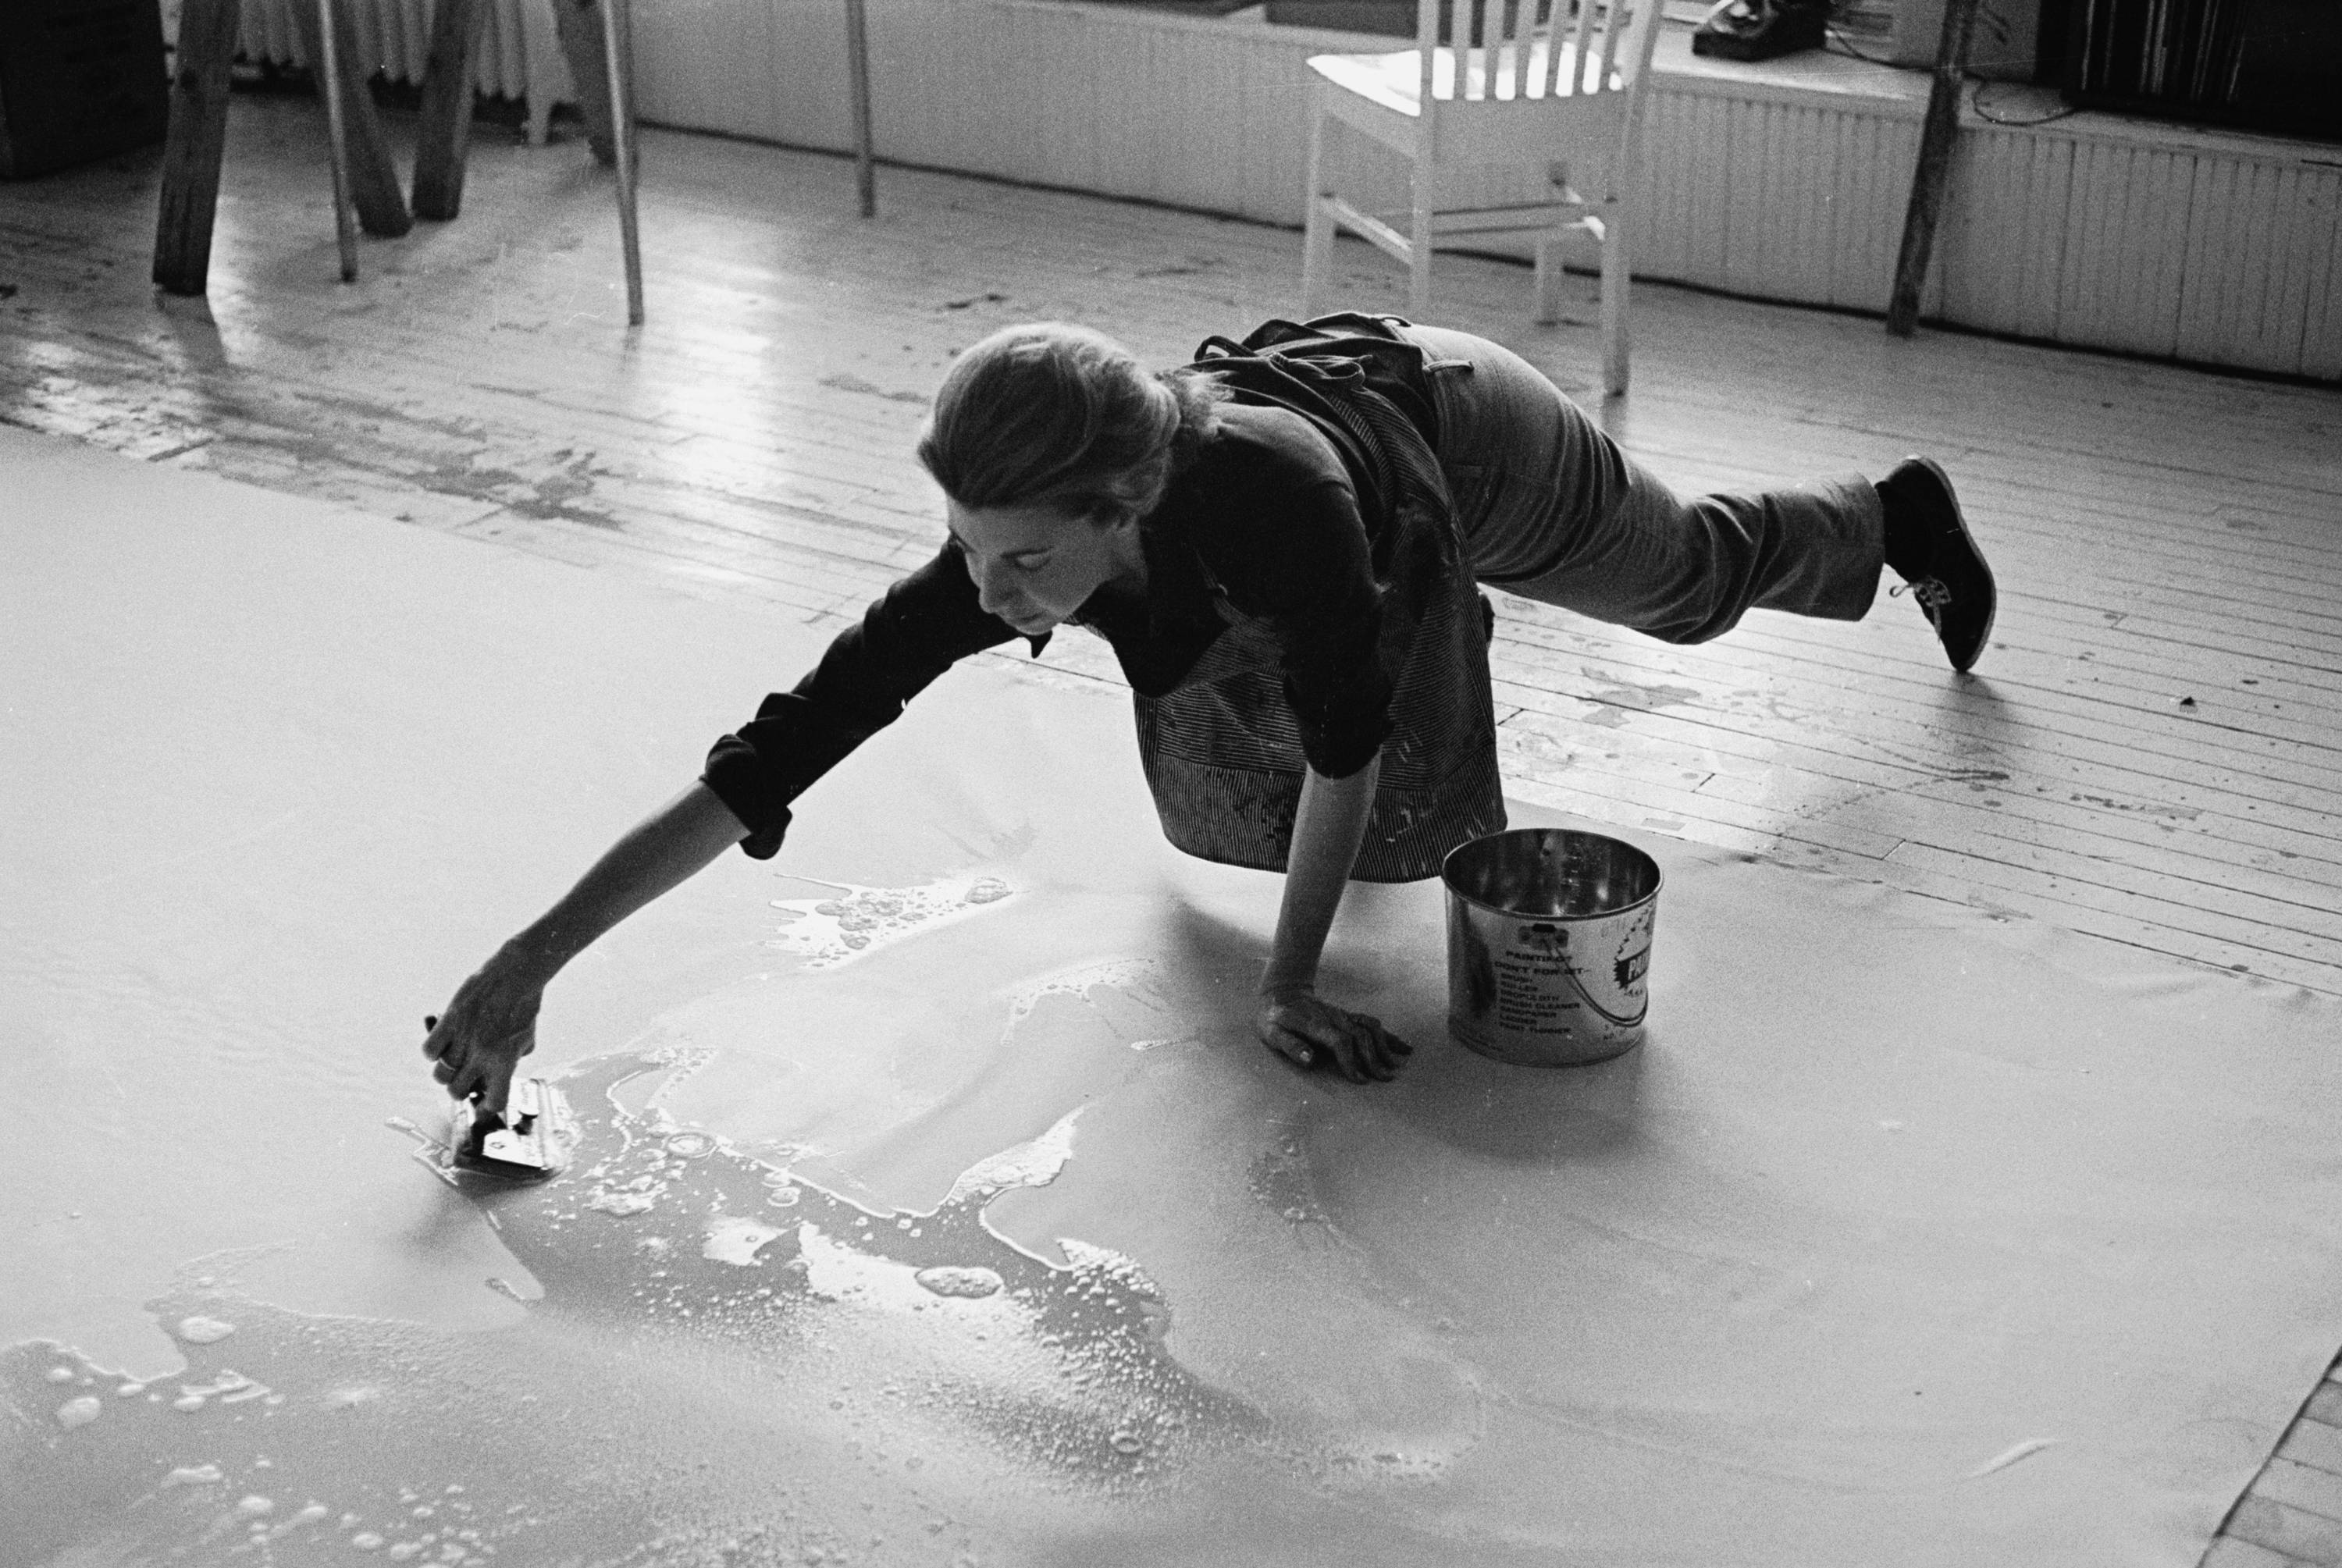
1053,415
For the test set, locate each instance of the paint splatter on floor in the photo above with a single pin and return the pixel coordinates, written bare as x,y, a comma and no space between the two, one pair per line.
852,921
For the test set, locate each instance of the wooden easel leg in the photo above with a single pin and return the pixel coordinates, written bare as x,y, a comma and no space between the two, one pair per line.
617,44
581,32
374,183
328,62
857,65
194,145
445,133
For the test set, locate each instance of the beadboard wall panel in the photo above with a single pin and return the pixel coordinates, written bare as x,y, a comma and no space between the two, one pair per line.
2262,248
2211,246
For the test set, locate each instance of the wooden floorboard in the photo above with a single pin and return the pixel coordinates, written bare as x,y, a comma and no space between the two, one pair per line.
2151,753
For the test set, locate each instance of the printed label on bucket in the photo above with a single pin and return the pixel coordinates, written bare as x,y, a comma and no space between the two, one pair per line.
1554,992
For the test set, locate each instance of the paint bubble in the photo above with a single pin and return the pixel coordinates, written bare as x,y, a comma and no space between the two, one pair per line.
783,1197
367,1541
255,1506
952,1280
61,1374
987,890
311,1514
78,1412
193,1475
204,1330
620,1205
128,1389
1127,1442
690,1145
188,1401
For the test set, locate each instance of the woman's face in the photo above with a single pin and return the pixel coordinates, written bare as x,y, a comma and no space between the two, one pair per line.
1033,567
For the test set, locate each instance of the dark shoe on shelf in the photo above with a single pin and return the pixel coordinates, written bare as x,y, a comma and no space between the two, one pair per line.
1955,590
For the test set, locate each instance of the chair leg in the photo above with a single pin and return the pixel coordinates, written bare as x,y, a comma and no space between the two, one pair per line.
1548,277
1617,279
1418,251
1316,225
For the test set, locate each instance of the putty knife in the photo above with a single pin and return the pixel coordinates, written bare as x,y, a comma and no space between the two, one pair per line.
527,1143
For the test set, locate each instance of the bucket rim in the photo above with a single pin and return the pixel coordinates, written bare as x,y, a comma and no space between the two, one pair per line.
1447,881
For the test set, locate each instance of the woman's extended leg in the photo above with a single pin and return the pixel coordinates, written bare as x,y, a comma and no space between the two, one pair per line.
1552,509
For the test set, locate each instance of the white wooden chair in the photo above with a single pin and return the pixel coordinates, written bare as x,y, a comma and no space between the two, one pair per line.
1552,85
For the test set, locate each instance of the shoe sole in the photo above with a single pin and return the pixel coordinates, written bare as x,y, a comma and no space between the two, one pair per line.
1992,585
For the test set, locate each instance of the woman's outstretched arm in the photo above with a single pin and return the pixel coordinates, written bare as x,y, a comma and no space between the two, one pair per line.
491,1023
1292,1019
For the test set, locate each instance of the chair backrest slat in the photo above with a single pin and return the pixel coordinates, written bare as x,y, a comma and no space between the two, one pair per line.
1547,41
1582,37
1427,54
1530,48
1526,62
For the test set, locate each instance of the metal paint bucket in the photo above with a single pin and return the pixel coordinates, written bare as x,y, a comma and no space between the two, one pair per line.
1549,945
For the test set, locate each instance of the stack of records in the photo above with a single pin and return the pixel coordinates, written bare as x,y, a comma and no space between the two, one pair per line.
2265,64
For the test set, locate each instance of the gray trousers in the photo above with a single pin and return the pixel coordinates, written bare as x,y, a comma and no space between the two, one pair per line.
1551,509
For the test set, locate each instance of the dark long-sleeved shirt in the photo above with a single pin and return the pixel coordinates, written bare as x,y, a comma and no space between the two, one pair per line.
1269,517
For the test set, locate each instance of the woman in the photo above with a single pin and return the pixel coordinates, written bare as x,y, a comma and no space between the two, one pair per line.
1282,544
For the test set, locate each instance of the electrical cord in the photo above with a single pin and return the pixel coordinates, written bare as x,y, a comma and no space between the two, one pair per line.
1835,42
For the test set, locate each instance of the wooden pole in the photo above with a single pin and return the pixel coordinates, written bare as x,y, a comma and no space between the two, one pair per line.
444,134
1936,141
857,62
193,145
374,186
617,47
328,61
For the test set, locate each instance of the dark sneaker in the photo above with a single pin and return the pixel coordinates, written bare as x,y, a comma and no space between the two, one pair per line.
1957,589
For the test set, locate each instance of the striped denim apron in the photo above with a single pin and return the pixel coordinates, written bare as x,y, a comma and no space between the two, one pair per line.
1222,752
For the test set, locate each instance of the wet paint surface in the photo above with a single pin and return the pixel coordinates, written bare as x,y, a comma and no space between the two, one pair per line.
789,1393
1905,1237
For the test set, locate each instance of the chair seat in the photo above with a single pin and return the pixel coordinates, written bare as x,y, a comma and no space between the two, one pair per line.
1522,119
1395,81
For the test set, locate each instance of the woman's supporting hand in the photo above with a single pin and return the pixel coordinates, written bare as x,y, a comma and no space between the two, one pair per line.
1307,1030
1291,1018
491,1023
